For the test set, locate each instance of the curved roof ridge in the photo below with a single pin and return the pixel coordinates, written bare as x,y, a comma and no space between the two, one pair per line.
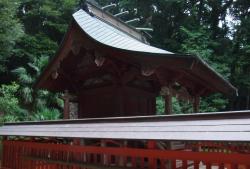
107,34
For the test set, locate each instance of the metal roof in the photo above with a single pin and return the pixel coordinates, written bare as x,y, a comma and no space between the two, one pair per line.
107,34
234,126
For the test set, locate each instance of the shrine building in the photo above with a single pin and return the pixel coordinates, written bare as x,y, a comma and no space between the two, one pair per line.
110,77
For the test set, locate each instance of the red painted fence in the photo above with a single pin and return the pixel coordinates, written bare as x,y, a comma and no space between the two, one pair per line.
33,155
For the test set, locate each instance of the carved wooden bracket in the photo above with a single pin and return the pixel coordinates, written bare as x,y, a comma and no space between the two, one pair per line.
54,75
99,59
147,70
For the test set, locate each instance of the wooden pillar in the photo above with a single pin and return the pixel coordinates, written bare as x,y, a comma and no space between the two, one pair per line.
166,93
168,104
196,104
66,105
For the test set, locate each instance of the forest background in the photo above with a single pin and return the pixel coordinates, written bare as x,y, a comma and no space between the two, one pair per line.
31,31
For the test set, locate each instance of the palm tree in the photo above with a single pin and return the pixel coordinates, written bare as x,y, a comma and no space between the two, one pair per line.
38,102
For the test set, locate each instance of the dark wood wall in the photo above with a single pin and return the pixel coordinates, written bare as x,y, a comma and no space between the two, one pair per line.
115,101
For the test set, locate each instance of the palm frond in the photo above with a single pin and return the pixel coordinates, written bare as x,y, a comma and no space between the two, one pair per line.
19,70
34,67
26,93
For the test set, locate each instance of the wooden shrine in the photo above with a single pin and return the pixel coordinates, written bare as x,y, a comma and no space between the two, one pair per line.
112,71
109,70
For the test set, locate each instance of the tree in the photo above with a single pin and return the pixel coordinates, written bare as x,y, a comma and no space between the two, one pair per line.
240,62
44,23
10,30
35,100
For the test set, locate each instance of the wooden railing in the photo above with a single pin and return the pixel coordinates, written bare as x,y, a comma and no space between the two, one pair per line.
33,155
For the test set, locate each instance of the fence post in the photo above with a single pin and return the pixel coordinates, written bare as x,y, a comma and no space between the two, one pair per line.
152,161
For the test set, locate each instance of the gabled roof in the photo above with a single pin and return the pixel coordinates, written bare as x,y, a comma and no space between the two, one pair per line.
107,35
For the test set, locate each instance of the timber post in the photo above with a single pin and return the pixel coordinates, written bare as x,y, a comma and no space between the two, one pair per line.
168,104
66,105
196,104
166,92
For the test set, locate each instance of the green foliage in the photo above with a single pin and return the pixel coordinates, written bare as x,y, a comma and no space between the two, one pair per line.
199,43
178,106
213,103
9,104
240,62
10,30
196,42
160,105
44,23
8,100
46,114
10,118
35,100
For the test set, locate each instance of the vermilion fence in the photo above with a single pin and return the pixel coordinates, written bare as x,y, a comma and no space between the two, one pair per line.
33,155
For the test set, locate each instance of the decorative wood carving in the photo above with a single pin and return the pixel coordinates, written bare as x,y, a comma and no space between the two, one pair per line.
147,70
165,91
98,80
99,59
54,75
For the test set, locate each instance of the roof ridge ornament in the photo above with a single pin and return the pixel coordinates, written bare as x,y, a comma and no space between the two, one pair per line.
109,6
133,20
121,13
115,21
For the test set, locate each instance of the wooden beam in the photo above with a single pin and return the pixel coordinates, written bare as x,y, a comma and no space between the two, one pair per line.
55,62
197,81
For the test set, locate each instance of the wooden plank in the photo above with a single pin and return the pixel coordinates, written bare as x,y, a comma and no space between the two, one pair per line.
78,164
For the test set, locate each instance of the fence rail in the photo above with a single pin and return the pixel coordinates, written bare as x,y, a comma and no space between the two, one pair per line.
33,155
